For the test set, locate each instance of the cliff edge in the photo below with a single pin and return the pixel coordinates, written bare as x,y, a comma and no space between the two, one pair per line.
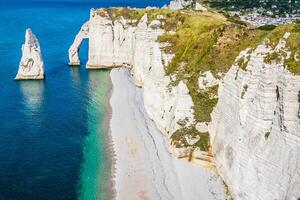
222,93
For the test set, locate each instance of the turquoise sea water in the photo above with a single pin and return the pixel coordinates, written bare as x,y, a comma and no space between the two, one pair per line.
53,138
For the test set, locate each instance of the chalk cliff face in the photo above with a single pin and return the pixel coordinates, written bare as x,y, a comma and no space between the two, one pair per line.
31,64
254,131
73,51
255,127
125,42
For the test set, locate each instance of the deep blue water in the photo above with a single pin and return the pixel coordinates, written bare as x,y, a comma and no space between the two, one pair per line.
52,140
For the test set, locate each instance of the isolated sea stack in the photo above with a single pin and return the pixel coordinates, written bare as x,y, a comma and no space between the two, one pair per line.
31,65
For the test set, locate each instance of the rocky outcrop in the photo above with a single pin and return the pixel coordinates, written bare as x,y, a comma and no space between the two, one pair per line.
133,44
111,42
178,4
31,64
255,127
207,80
74,49
184,4
200,7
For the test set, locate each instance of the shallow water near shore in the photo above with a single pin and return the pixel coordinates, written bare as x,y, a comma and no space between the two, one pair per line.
53,141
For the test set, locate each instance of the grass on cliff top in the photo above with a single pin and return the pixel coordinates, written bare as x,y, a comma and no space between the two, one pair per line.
210,45
293,45
210,42
206,42
171,18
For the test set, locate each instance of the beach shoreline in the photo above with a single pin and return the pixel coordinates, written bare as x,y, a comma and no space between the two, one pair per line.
142,166
110,145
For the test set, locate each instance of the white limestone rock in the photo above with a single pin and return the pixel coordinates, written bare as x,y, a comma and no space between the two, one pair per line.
180,152
199,7
254,129
184,4
191,140
202,127
31,64
110,43
204,156
134,45
178,4
255,132
74,49
207,80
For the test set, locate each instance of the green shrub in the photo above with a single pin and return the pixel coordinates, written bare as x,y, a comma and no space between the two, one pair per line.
267,134
268,27
178,138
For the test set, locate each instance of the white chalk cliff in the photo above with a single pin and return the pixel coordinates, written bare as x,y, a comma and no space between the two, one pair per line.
184,4
31,64
121,42
255,126
255,129
73,51
178,4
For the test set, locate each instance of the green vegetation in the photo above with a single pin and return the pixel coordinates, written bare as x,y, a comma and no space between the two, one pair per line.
267,27
171,18
208,41
115,13
204,101
245,88
267,134
279,7
203,143
273,57
292,45
179,140
242,63
293,63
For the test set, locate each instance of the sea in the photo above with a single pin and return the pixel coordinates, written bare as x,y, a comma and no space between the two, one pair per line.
54,133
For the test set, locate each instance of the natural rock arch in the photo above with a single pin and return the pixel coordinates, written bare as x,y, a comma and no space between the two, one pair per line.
75,47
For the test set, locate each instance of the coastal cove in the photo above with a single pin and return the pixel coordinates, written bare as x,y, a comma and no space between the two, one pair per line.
190,70
143,100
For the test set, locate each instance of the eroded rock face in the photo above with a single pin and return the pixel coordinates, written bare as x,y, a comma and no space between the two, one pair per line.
31,64
74,49
178,4
184,4
111,42
255,129
255,126
124,42
207,80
